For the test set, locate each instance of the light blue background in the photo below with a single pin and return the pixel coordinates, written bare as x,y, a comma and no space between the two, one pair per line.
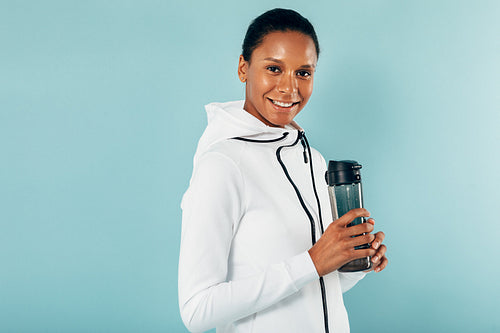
101,106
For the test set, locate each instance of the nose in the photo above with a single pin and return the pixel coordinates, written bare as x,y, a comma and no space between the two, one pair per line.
287,84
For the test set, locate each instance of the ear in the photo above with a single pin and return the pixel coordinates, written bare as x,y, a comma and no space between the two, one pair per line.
242,69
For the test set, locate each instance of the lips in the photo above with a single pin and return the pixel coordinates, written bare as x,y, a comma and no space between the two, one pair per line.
283,104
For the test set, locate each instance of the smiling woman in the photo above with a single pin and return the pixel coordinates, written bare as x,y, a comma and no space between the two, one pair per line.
279,77
259,250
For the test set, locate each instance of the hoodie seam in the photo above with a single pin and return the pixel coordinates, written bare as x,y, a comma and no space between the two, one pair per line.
235,164
243,182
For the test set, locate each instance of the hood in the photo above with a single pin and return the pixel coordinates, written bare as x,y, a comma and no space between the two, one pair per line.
229,120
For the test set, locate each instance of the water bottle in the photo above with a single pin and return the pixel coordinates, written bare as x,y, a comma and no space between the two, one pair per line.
344,188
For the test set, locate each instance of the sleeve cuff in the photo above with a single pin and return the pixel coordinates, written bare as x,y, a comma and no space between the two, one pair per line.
354,276
301,269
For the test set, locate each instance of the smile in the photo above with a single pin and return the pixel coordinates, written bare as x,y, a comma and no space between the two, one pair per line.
283,104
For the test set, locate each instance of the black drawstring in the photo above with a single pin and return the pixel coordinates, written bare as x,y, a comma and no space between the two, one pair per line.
297,192
307,158
301,136
284,135
305,144
314,182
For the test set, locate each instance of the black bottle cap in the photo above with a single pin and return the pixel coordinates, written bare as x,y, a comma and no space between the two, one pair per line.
343,172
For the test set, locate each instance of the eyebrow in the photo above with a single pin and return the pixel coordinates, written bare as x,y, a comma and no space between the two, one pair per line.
281,62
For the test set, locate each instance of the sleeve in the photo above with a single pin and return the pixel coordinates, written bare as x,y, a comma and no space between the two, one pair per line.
212,207
349,280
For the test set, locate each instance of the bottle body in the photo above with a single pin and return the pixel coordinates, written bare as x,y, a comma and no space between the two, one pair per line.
346,193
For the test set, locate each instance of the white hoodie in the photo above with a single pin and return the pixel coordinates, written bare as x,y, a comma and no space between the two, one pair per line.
249,217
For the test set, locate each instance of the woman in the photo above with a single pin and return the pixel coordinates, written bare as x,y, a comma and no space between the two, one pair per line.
254,257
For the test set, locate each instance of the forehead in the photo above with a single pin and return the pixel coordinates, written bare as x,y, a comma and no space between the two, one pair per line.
289,45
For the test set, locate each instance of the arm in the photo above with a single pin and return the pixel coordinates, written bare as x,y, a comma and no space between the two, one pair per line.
211,211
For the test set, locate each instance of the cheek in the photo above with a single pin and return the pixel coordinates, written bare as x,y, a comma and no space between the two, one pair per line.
306,89
266,84
259,85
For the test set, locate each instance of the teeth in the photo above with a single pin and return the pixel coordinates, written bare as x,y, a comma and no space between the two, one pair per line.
284,105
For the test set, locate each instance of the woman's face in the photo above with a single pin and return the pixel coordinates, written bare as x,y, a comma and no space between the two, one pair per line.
279,78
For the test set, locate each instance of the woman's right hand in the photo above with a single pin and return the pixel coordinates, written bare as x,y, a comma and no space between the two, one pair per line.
335,248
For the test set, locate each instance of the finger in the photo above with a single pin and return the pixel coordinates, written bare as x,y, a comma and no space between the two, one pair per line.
348,217
361,240
362,253
380,254
381,251
359,229
371,221
379,238
382,265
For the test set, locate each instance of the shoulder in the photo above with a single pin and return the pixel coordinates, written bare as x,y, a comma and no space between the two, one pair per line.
215,173
316,153
318,158
229,150
222,158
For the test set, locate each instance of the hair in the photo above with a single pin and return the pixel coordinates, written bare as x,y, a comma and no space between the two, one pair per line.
274,20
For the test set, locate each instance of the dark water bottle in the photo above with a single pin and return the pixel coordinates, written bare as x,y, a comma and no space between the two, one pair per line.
344,187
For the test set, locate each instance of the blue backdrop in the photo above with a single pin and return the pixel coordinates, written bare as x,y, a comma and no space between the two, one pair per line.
101,107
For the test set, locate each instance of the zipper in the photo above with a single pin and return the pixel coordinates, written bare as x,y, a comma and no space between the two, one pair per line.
307,157
303,142
307,152
297,192
313,181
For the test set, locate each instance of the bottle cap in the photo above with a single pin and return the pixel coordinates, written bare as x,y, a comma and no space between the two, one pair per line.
343,172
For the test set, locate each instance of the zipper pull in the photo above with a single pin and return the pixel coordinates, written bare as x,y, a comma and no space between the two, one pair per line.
302,141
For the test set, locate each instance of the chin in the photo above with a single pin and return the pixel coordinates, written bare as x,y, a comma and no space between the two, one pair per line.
280,121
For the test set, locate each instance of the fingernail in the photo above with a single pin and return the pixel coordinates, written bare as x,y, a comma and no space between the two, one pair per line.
375,245
375,259
377,269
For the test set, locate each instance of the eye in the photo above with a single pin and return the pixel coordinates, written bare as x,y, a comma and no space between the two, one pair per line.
274,69
304,74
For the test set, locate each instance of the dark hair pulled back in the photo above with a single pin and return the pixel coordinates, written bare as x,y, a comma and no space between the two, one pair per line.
277,19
